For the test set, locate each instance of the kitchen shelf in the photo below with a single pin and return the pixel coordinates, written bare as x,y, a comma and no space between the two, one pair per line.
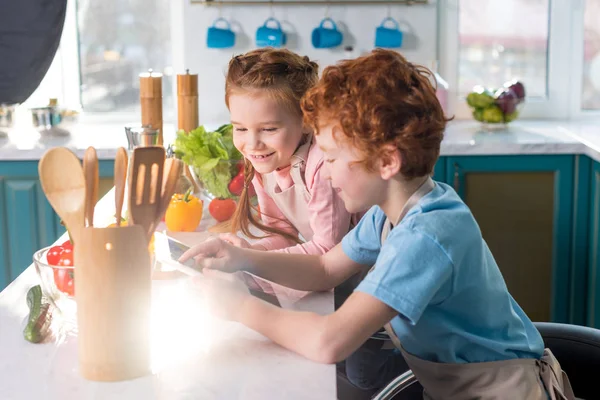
307,2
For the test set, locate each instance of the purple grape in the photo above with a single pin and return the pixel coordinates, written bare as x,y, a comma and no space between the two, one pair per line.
516,87
507,100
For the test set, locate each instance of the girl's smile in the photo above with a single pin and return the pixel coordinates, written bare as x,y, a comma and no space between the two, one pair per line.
259,157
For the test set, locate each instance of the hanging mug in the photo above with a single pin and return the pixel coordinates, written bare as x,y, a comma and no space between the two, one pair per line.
388,37
267,36
325,38
220,38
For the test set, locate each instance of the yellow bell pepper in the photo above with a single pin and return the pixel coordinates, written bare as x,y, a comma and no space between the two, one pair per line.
184,212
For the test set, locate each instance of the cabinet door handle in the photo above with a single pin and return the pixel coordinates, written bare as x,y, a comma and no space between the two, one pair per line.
456,183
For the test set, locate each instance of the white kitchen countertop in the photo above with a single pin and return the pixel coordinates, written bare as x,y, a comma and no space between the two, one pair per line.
461,138
195,356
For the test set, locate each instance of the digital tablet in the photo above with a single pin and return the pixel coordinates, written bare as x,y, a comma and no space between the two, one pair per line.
168,251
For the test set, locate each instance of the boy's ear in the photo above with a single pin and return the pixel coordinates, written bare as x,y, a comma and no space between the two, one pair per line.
390,162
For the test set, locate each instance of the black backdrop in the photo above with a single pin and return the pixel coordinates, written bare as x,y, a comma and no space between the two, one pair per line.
29,36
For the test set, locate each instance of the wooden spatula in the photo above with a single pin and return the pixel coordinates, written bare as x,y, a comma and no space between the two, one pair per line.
121,163
90,172
145,186
172,171
63,184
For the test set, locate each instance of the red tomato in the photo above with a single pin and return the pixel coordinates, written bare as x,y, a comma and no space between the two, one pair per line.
67,244
53,255
221,209
66,258
241,168
63,278
236,185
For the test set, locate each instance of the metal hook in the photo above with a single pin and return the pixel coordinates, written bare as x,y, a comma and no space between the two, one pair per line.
271,8
220,8
389,11
327,9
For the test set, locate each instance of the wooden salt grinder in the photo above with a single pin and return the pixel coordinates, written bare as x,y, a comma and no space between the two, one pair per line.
151,101
187,101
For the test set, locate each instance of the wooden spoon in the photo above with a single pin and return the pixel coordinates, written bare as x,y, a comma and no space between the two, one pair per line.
63,184
172,171
90,172
121,163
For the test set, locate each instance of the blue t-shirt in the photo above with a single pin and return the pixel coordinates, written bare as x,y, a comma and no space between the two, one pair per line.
436,270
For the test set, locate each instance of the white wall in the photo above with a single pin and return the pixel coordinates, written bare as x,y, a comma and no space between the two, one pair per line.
358,22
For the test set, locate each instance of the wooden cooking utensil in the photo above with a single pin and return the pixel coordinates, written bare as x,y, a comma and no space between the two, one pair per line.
172,171
63,184
121,163
145,186
90,172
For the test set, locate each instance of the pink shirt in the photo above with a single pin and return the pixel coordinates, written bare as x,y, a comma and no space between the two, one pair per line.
328,217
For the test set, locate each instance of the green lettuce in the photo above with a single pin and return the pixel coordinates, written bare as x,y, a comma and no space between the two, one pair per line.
212,155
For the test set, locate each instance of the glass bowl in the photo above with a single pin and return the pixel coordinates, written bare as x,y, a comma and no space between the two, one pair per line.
217,182
494,108
57,283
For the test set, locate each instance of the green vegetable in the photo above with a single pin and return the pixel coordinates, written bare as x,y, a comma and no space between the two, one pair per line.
40,316
212,155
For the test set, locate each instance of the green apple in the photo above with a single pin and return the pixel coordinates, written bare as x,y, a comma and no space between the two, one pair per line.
493,115
480,97
478,114
512,116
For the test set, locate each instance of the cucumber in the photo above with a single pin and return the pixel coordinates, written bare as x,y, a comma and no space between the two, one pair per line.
40,316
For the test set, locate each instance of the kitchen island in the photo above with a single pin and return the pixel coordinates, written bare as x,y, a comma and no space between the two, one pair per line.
534,190
194,356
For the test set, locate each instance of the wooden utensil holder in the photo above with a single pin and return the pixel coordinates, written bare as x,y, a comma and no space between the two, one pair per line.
113,294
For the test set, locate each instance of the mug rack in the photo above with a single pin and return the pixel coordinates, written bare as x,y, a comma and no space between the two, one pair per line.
307,2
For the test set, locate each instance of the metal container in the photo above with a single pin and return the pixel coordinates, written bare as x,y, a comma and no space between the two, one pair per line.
141,136
44,118
7,115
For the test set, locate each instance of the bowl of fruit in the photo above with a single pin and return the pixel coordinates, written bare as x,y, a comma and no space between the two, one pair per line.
495,108
55,267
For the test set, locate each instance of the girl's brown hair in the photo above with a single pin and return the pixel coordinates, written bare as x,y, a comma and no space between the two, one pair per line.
378,99
287,77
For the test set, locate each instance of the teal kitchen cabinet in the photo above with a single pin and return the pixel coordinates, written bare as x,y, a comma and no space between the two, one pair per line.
524,207
439,170
27,221
593,297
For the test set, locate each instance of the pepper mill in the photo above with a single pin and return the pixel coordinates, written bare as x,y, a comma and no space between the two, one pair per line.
187,101
151,101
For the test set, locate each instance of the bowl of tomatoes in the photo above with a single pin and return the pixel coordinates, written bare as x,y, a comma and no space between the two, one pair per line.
56,269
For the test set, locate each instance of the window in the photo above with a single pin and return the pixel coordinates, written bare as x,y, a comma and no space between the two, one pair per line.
117,41
503,40
590,94
539,42
104,47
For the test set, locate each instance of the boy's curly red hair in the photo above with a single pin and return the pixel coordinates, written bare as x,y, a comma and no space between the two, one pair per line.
380,99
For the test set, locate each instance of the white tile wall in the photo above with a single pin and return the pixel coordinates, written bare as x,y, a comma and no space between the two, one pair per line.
358,22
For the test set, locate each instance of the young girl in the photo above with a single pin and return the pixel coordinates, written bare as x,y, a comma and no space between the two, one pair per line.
434,286
283,163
